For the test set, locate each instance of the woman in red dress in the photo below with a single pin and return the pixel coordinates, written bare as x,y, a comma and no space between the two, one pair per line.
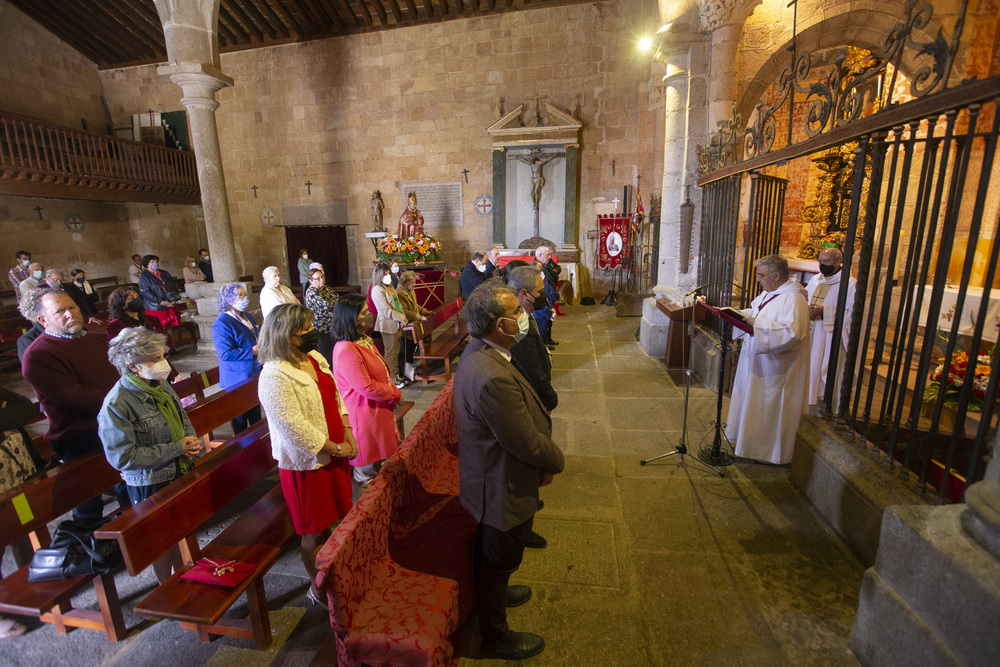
311,438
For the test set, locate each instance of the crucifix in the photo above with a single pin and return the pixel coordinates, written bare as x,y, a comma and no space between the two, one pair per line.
157,207
616,201
308,188
466,173
536,161
38,209
254,188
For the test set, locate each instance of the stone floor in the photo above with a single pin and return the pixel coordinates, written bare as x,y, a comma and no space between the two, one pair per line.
663,564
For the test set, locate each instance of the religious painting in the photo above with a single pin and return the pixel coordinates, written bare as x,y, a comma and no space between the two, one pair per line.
613,233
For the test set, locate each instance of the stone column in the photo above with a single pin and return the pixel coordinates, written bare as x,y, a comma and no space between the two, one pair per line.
500,196
189,29
724,19
572,196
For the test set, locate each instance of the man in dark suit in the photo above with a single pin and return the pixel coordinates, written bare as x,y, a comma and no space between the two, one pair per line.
492,262
205,265
473,274
529,355
505,453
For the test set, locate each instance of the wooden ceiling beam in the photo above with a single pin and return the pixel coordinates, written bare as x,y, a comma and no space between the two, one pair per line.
336,20
240,36
146,8
396,12
365,14
444,6
380,10
83,24
152,32
96,52
345,5
226,34
411,8
306,16
429,8
293,24
272,26
236,11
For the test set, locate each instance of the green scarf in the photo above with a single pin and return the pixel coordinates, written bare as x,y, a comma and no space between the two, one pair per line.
164,403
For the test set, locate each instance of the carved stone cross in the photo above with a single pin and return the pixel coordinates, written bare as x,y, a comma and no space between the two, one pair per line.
254,188
465,172
38,209
308,188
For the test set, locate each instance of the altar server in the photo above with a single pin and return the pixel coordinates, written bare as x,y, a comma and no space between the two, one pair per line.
769,392
823,292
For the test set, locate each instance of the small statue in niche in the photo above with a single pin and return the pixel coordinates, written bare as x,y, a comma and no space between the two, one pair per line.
411,222
376,207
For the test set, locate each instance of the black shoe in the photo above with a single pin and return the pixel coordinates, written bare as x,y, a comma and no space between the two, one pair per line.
552,342
541,503
536,541
517,595
551,347
521,645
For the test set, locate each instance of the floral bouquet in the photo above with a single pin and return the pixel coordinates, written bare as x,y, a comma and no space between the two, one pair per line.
834,240
951,382
417,248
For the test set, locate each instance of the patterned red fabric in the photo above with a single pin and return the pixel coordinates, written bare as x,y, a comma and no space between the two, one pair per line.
382,612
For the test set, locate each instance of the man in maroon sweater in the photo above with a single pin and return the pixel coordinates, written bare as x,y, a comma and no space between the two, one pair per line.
70,373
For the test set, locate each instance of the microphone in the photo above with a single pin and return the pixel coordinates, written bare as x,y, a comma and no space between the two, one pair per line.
698,290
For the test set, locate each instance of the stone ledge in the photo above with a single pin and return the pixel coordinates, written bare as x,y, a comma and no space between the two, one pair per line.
849,490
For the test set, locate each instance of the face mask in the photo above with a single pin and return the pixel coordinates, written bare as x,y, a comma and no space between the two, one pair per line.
305,257
387,280
37,275
135,305
310,340
158,371
205,258
79,279
482,268
827,269
522,326
395,269
193,265
25,262
540,302
154,266
241,304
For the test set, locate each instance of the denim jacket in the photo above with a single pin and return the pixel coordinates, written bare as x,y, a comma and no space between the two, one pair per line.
137,439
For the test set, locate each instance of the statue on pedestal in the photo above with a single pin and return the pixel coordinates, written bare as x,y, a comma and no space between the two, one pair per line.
376,207
411,222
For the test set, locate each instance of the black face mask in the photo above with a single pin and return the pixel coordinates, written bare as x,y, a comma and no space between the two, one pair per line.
828,269
540,302
310,340
135,305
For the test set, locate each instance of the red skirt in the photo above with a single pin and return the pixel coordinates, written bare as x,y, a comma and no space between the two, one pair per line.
317,498
168,318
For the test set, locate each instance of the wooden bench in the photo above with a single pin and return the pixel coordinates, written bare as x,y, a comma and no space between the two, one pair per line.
26,511
212,412
444,344
173,516
398,569
196,383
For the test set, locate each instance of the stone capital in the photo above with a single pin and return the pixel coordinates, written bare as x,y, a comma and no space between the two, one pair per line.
199,82
714,14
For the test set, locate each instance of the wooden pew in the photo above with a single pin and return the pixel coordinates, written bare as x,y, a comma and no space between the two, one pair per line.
173,516
196,383
441,346
26,511
212,412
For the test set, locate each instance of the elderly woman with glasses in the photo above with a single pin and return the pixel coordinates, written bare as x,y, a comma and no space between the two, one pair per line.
365,382
320,298
310,435
274,293
235,334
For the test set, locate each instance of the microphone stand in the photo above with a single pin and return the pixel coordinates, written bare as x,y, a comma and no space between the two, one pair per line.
715,456
681,447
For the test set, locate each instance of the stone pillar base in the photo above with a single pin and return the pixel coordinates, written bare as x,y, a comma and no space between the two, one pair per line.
933,597
653,329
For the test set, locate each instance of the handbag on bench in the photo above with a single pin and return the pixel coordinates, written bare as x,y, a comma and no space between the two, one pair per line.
74,552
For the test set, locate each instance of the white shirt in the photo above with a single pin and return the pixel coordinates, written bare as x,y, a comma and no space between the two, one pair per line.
271,297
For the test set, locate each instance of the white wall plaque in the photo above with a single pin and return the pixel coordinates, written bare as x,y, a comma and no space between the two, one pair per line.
440,203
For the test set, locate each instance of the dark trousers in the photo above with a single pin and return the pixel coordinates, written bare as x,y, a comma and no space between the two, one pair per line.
544,326
406,349
496,555
241,423
325,347
74,448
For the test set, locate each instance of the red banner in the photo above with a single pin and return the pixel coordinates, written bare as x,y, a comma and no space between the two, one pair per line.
613,240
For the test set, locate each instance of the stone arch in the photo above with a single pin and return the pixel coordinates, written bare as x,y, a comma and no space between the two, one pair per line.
848,24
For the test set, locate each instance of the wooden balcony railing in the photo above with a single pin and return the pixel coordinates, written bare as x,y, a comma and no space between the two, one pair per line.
43,160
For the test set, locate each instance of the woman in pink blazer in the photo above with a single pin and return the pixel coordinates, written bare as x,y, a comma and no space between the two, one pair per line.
366,387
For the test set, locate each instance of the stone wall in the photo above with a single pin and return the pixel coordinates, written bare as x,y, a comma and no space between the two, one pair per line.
42,77
102,248
354,114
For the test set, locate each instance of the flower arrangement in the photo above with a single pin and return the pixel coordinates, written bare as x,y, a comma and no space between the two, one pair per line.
834,240
955,378
419,247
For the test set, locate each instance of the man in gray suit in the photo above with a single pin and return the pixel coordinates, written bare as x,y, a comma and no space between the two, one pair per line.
505,453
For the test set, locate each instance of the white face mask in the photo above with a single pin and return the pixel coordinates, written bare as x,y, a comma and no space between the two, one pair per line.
522,326
241,304
25,262
305,257
395,269
193,265
158,371
154,266
205,258
482,268
387,279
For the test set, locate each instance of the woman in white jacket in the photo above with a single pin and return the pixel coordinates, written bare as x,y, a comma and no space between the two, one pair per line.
388,319
274,293
311,438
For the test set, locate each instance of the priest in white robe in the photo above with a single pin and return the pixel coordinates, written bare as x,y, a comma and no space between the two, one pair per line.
772,376
823,291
